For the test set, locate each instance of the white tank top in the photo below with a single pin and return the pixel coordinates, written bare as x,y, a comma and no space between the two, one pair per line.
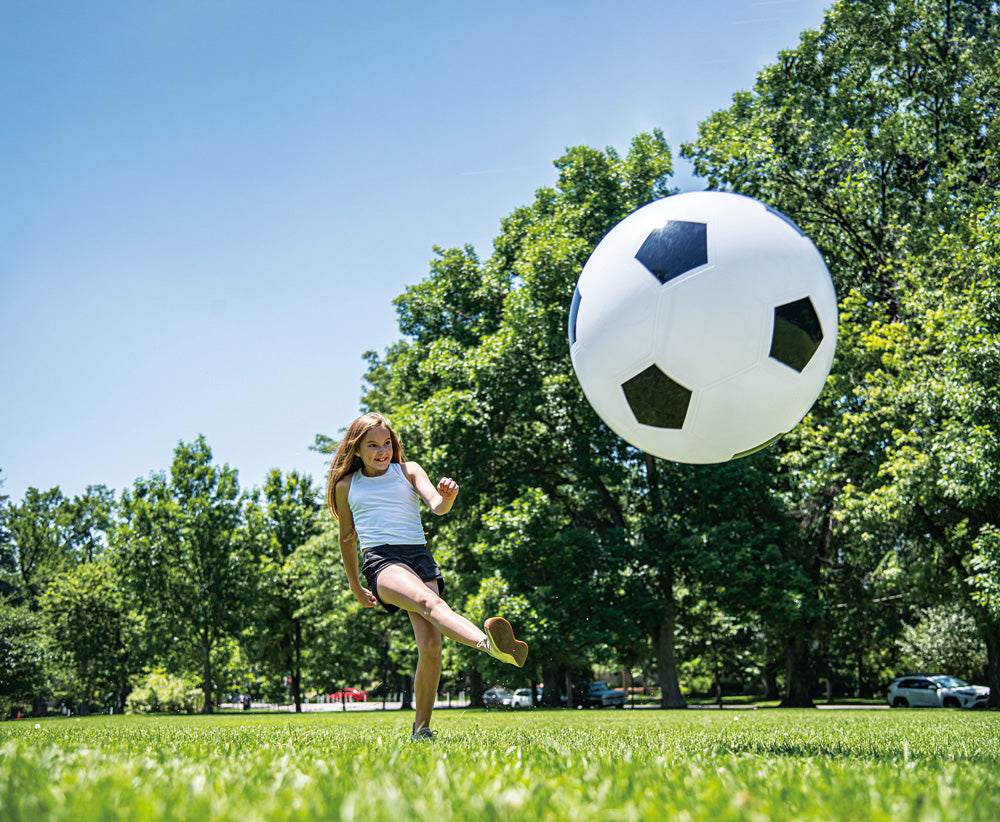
386,509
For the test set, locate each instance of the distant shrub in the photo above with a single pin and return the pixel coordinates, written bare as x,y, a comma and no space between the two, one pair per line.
944,641
161,692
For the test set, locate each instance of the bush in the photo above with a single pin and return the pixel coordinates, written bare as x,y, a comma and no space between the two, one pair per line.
944,641
161,692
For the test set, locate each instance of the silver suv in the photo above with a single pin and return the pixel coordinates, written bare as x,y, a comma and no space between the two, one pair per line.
938,691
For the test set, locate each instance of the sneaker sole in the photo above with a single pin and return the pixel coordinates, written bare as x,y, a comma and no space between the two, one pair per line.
502,638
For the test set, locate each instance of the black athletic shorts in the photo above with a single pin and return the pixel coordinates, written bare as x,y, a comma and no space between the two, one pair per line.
415,557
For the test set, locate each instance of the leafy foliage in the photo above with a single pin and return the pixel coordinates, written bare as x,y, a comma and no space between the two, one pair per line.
283,526
23,656
89,625
161,692
945,639
181,550
877,134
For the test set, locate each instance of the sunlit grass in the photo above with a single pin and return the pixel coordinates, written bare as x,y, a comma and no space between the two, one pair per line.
579,765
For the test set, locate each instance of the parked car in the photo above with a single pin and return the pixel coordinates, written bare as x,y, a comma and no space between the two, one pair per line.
521,698
350,695
598,695
936,691
497,698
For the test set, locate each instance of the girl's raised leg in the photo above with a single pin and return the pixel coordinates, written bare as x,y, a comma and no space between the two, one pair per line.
399,586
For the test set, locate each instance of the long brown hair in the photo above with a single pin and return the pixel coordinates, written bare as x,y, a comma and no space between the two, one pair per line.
347,460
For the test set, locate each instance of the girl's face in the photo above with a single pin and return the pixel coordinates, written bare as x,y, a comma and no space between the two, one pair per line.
375,450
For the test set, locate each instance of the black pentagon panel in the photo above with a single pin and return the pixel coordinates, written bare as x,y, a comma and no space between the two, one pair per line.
673,249
574,309
797,333
657,400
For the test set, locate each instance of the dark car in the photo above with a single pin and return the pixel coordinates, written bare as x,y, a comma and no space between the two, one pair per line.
497,698
597,695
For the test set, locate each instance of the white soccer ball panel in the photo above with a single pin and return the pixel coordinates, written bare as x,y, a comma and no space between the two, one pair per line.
741,413
695,345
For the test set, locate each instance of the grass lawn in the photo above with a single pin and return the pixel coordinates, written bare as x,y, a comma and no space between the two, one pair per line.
551,765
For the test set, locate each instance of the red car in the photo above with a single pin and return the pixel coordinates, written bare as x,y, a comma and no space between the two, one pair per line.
350,695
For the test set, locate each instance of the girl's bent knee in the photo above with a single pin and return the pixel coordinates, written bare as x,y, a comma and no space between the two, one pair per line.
432,606
429,647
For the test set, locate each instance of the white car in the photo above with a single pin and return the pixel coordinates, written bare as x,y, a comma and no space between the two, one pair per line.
939,691
521,698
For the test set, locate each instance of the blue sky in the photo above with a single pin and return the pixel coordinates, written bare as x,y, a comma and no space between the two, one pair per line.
208,207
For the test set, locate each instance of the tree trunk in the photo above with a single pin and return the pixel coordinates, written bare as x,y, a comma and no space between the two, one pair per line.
88,691
121,695
666,662
992,636
297,668
570,702
475,688
206,658
663,634
770,680
550,685
407,703
799,674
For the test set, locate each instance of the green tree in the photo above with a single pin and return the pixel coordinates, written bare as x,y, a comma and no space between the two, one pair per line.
350,644
24,658
8,562
532,557
86,619
183,557
40,544
932,400
284,523
883,118
876,134
986,571
48,534
720,534
87,519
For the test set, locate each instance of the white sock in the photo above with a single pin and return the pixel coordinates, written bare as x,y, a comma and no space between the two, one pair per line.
487,646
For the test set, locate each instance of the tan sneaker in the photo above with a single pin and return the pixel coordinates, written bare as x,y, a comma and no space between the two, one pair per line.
501,643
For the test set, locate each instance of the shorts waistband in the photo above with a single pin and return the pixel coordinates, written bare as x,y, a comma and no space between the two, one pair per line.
394,547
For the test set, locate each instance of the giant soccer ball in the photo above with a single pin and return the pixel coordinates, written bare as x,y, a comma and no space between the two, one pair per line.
703,327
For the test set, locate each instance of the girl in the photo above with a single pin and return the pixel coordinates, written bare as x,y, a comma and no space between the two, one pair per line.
373,493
